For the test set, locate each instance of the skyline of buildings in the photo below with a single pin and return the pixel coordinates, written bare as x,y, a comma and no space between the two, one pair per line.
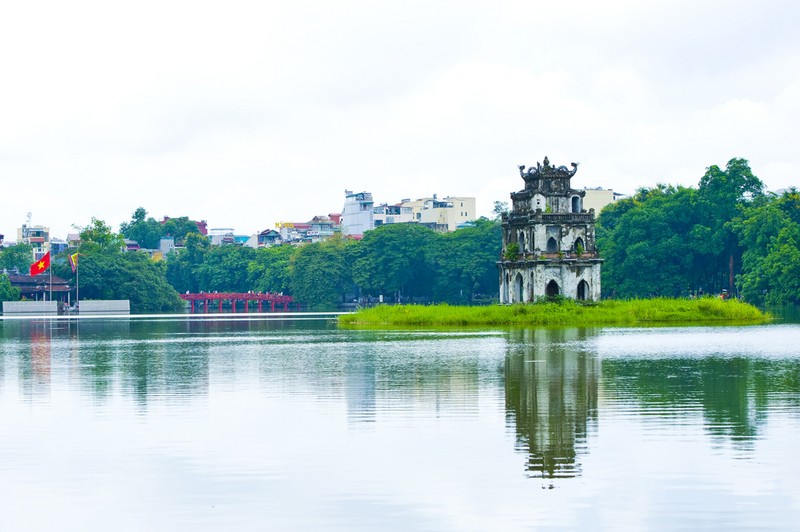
359,214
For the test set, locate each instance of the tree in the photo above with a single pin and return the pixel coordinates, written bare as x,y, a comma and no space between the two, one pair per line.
644,241
97,237
270,271
766,231
132,276
321,272
500,208
146,231
108,273
721,195
782,267
178,228
464,262
225,269
7,291
183,266
392,260
667,240
18,256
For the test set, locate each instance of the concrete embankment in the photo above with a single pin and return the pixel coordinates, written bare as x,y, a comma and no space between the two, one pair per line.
49,308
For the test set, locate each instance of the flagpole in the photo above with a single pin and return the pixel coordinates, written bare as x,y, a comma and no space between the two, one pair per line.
51,283
77,286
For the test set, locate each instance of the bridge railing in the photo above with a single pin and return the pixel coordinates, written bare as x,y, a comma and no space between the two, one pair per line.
235,297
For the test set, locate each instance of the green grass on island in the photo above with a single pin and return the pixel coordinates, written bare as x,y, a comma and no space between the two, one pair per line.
565,312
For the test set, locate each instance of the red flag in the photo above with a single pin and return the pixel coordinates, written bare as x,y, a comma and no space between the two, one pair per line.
41,265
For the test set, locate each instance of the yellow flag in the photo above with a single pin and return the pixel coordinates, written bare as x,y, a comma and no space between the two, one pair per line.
73,262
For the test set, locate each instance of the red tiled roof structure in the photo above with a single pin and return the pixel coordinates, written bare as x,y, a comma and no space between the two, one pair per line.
32,285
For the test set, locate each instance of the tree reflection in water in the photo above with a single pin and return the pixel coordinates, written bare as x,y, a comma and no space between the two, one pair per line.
734,394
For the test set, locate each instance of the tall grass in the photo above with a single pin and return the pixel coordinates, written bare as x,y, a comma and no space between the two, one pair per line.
565,312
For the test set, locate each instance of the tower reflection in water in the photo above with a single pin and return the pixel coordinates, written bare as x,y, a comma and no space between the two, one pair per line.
551,398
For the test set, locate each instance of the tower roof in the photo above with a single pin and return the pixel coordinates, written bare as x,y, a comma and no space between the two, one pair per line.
546,170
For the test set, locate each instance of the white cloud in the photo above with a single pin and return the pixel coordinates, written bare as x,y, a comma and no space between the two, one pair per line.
253,112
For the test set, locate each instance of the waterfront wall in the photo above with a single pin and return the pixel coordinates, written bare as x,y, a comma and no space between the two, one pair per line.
110,306
30,307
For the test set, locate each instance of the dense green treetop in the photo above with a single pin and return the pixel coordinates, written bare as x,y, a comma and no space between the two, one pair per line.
183,265
321,274
646,250
391,259
673,241
146,231
178,228
269,270
8,292
464,262
225,268
97,237
769,233
19,256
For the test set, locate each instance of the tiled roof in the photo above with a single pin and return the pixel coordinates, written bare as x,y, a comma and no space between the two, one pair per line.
28,280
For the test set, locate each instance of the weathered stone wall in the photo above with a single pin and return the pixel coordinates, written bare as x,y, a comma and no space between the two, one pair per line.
526,281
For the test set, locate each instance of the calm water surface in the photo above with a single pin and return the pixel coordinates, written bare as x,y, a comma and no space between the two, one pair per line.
249,424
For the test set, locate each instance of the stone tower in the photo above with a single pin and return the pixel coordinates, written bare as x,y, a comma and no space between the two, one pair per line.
548,240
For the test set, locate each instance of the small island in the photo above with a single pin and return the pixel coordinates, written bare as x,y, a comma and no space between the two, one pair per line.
550,273
658,311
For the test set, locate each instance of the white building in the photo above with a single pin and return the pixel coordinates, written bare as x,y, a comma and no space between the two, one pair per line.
391,214
360,214
166,245
221,235
357,214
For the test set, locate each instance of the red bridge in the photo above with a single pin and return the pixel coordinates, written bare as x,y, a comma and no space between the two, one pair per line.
234,298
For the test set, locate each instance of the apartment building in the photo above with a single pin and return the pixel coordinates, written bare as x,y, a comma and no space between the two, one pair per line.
452,211
37,236
391,214
597,198
357,214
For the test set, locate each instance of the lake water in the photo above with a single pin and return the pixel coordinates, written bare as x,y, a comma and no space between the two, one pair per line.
252,424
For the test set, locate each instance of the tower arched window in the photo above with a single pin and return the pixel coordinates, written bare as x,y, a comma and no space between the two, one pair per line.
583,290
552,289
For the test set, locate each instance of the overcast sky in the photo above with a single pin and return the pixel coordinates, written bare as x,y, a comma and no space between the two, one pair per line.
248,113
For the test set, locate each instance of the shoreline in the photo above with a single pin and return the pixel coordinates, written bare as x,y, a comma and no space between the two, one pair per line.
656,311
